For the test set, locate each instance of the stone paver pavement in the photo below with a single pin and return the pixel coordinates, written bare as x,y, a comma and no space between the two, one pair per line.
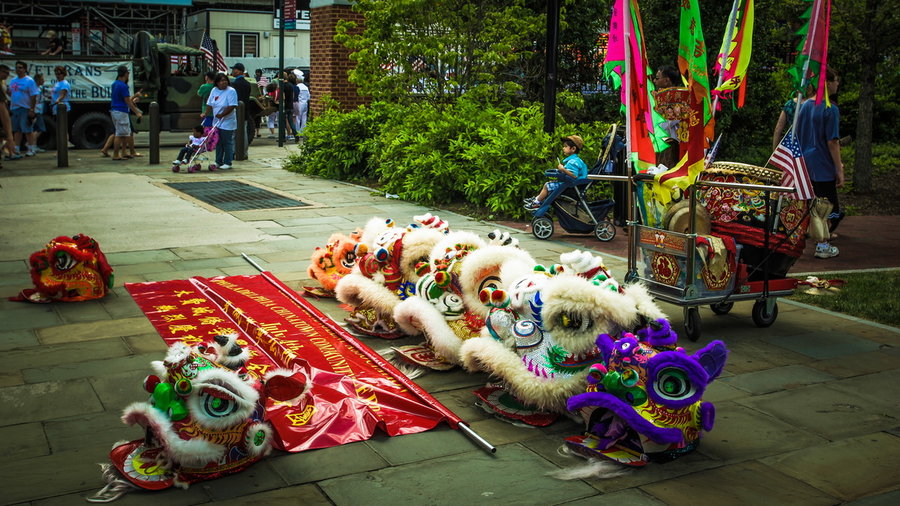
806,410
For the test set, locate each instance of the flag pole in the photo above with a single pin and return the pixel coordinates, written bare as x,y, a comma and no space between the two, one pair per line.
626,36
732,21
810,38
452,419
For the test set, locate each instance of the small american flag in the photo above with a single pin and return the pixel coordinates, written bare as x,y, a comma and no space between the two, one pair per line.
209,49
177,59
789,157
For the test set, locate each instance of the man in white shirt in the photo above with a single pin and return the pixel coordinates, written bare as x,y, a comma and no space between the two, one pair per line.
221,106
302,103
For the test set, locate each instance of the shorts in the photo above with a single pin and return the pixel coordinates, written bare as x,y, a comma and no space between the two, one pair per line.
122,123
552,185
20,120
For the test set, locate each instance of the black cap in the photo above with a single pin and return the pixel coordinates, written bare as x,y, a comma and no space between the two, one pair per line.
239,66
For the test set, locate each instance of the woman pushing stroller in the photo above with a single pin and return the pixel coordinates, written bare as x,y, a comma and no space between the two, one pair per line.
572,166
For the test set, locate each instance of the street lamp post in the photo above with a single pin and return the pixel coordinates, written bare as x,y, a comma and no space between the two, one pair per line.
550,77
281,131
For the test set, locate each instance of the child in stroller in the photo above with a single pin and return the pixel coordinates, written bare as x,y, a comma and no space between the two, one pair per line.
572,166
190,153
565,197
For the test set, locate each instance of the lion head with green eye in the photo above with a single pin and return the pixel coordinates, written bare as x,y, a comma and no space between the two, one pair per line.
205,417
643,402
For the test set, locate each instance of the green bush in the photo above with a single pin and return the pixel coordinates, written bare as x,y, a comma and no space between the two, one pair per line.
339,144
473,152
469,151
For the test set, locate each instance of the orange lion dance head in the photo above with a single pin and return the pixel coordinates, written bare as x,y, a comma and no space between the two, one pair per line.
335,260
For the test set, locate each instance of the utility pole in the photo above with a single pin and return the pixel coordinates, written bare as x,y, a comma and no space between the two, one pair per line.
550,77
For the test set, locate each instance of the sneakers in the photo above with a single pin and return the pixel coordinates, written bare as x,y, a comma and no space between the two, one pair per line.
826,251
225,167
533,205
177,162
16,156
29,153
39,150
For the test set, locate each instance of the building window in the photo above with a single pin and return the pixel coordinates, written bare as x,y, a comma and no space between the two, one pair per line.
242,45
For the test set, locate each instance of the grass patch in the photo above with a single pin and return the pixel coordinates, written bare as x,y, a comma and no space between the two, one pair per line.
871,296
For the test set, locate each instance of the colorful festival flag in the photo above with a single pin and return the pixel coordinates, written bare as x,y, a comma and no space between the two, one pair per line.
692,63
353,390
813,50
626,67
734,55
788,157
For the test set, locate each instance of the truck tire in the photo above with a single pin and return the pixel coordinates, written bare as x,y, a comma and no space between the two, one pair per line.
47,139
91,130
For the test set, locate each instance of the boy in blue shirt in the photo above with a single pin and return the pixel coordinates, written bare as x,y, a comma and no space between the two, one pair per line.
120,104
572,166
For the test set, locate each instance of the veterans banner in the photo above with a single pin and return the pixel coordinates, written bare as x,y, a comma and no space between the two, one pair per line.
353,389
90,81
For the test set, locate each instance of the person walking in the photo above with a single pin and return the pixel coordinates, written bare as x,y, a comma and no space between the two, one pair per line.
60,94
43,102
274,95
24,95
242,88
289,95
221,107
212,136
302,105
120,104
7,141
819,137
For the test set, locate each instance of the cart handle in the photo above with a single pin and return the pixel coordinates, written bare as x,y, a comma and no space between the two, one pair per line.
737,186
752,187
607,177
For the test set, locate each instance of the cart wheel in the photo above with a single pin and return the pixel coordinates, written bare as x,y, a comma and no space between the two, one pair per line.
605,231
721,307
692,323
542,227
762,317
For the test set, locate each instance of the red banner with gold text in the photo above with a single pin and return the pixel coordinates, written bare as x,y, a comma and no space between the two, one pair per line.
353,390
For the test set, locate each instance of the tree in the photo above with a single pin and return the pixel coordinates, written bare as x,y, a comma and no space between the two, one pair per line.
863,36
439,50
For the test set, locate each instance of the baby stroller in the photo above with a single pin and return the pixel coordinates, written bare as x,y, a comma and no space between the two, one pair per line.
210,139
569,203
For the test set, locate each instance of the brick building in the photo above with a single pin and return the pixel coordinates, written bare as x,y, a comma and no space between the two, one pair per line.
330,61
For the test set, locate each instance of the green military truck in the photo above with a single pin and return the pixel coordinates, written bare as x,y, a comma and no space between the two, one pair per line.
168,74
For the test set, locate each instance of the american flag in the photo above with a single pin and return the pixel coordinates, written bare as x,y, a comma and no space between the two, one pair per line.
789,157
209,49
177,59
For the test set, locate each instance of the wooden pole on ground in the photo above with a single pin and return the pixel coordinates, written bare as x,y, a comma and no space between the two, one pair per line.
62,137
154,133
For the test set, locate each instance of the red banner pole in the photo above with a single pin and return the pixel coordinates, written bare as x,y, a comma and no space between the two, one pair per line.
452,419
